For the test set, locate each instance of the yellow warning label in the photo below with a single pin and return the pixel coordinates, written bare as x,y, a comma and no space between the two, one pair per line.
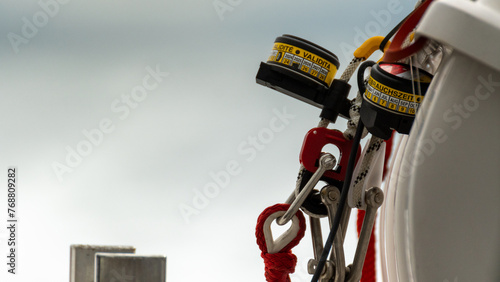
390,98
394,93
304,61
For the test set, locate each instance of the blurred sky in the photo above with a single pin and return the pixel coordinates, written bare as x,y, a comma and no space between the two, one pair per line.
64,70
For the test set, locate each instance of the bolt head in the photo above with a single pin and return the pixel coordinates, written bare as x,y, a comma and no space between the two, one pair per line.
328,161
333,196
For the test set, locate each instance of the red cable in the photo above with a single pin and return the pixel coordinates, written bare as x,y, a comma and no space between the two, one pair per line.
369,272
278,266
388,152
395,52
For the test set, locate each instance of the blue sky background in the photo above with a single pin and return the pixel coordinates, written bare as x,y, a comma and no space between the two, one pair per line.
127,190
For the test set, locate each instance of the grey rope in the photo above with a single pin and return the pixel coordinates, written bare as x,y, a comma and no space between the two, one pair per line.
351,69
356,200
354,115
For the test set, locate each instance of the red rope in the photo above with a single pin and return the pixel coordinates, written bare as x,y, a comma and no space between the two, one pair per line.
368,273
388,152
278,266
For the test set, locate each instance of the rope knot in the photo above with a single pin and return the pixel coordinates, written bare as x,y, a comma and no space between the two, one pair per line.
279,264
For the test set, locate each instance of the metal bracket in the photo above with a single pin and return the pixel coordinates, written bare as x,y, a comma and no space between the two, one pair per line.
335,267
317,239
374,198
326,162
330,196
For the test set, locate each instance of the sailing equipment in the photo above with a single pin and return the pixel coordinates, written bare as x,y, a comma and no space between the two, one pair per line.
299,68
278,258
397,51
315,140
326,163
298,57
319,166
444,226
393,95
306,71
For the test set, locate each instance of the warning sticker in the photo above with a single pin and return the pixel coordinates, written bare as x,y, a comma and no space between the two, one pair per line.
297,61
383,100
315,70
304,61
288,58
403,106
322,74
413,107
395,100
272,57
393,92
306,66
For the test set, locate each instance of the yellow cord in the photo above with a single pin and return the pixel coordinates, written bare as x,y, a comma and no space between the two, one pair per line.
369,46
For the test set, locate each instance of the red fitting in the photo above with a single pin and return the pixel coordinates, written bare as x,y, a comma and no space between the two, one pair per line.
314,142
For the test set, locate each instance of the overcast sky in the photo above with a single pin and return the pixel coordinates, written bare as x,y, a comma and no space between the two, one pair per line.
101,161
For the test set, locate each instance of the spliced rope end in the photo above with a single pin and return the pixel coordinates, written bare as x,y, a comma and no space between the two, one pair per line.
279,265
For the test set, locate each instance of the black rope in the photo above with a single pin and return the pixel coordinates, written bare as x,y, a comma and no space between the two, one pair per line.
348,177
343,200
391,34
361,75
393,31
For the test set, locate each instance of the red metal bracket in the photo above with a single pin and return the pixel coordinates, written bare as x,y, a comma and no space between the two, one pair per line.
315,140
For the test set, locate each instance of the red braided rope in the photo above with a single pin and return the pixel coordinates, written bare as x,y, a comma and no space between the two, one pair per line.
369,272
278,266
388,153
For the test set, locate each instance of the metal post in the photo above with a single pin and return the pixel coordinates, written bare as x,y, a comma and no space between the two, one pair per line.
330,196
130,267
83,257
374,198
